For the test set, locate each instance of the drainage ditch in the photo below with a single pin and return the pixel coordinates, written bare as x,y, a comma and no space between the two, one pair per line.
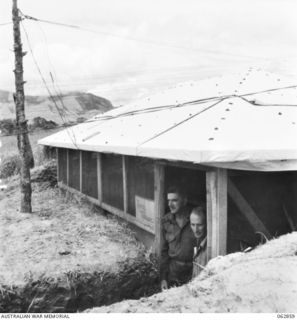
77,292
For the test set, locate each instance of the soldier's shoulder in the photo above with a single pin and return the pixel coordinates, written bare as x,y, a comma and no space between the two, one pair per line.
168,217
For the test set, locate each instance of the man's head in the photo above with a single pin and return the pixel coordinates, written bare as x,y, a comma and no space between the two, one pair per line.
198,222
176,199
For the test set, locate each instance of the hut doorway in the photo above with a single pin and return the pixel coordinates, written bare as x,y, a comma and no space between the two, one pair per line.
191,181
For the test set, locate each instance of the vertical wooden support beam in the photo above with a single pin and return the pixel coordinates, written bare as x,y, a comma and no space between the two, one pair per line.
67,166
80,171
159,197
125,190
58,165
216,189
99,177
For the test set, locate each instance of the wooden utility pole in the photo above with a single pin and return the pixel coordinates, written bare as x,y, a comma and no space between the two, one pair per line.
24,147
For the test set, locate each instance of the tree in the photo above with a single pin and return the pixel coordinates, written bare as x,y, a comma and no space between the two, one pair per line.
24,146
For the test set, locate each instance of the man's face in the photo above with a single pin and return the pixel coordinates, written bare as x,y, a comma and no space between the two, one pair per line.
175,202
198,225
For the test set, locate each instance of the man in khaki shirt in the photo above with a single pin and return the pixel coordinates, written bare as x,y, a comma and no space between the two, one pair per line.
198,226
177,242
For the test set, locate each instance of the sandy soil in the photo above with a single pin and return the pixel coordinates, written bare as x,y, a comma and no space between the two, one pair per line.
263,280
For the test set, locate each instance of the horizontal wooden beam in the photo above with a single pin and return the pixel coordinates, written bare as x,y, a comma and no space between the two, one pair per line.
182,164
246,209
127,217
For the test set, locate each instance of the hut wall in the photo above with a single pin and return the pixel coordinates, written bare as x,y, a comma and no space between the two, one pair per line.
268,194
140,181
112,180
89,174
74,169
62,165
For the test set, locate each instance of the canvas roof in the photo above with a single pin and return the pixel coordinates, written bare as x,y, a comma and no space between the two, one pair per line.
245,121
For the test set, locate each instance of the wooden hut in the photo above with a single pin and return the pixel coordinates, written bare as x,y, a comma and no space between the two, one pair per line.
229,141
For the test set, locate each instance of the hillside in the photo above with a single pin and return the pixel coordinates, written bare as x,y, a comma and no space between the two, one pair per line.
74,105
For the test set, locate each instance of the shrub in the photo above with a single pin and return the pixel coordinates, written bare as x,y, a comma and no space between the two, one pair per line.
10,166
41,123
7,126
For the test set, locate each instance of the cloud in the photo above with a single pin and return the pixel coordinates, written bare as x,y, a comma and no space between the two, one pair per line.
178,41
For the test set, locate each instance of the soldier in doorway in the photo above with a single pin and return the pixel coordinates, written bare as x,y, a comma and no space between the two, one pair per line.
178,241
198,226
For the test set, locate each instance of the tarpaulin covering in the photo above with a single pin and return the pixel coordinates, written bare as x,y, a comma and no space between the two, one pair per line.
246,122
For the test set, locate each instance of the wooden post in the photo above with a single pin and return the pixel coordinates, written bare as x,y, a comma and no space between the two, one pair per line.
80,171
125,191
24,146
67,167
159,181
58,165
216,189
99,177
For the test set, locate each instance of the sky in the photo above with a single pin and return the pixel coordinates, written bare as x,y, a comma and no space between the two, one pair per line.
125,49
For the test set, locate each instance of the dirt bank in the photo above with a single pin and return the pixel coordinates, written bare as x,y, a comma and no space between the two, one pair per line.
66,256
263,280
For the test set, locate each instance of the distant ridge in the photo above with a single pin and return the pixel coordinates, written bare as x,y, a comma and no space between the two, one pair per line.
75,105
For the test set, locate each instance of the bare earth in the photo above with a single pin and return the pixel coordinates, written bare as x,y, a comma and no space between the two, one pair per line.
61,235
263,280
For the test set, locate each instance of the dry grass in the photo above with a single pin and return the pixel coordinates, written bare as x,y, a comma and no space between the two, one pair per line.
62,235
66,256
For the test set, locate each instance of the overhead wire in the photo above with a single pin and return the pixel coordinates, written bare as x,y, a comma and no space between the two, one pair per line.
53,75
145,41
153,109
105,33
43,79
53,72
46,86
46,47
